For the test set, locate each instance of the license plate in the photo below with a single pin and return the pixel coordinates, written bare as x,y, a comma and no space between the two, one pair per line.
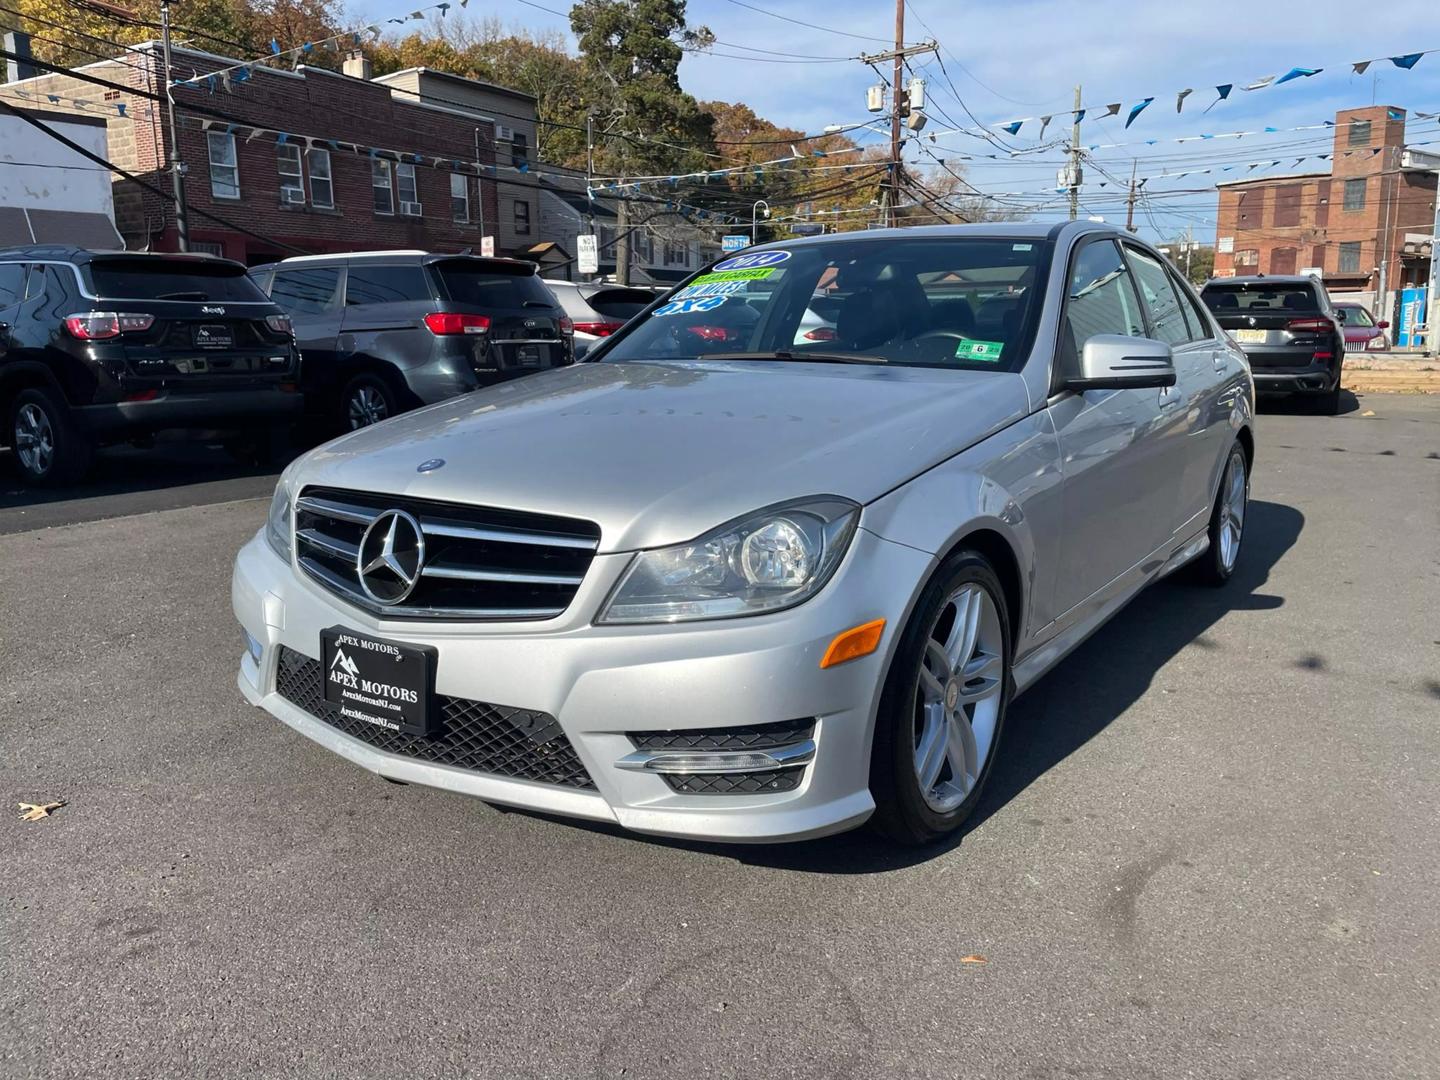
1249,337
213,337
528,356
379,682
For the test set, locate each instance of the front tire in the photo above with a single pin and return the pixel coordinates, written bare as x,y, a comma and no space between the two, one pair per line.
50,450
1227,521
943,707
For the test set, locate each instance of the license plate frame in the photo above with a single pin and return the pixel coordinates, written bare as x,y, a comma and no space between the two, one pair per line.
1249,336
387,684
213,337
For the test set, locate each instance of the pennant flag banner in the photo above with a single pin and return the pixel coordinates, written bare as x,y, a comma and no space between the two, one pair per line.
1137,110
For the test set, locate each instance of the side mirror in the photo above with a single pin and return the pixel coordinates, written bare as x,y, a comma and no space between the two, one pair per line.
1116,362
1340,314
1383,324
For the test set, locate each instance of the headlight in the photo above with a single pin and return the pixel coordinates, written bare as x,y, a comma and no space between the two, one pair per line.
773,559
277,526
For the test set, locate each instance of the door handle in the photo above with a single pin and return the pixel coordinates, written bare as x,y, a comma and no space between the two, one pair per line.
1218,357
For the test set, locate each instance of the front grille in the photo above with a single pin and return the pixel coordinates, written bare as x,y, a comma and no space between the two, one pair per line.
741,783
479,563
750,737
521,744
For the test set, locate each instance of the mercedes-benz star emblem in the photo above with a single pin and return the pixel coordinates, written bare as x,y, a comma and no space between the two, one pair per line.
430,464
391,557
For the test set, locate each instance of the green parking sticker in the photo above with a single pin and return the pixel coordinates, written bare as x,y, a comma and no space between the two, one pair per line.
758,274
988,351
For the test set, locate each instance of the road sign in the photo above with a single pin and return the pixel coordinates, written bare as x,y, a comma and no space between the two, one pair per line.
587,253
487,246
734,243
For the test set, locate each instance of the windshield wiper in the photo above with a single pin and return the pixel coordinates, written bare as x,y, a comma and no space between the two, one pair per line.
804,357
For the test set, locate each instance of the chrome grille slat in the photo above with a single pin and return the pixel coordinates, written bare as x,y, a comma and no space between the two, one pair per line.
505,536
480,563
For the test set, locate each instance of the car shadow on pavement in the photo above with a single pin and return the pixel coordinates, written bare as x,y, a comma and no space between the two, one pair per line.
1302,405
1075,702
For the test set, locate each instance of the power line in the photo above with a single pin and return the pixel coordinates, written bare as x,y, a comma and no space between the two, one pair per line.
808,26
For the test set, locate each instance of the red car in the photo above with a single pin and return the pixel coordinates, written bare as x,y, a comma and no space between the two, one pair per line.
1361,330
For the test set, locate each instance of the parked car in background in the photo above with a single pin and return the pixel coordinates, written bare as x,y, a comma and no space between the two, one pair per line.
382,332
598,310
760,590
1290,332
107,347
1361,329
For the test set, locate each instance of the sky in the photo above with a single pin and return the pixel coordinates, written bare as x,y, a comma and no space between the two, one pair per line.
1022,58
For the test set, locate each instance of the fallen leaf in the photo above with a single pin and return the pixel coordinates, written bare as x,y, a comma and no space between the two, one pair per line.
973,959
1368,412
34,812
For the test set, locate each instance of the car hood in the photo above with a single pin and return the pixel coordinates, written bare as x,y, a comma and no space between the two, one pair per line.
658,453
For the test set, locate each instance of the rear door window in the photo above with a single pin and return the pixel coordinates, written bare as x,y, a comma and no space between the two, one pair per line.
172,279
309,291
385,284
491,286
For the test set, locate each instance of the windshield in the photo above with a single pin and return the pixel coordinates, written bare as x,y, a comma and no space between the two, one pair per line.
1254,297
172,279
1355,315
923,302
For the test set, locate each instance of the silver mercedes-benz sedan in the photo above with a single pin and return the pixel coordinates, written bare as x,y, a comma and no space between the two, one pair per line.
725,581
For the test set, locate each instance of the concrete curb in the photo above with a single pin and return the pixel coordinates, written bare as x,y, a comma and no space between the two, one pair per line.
1391,382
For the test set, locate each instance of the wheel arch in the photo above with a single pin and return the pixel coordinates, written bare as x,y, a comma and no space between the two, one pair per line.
1000,554
16,377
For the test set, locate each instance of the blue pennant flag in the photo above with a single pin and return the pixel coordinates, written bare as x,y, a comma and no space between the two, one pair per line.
54,99
1137,110
120,107
1079,115
1151,142
1270,130
1013,129
281,138
1394,114
1408,61
307,47
242,74
1298,73
275,46
1224,91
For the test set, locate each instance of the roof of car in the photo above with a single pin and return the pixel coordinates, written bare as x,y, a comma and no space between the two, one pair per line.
399,253
1264,279
1000,230
81,256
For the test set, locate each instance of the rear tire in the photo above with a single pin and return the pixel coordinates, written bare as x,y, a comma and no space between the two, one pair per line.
367,399
50,449
951,675
1227,521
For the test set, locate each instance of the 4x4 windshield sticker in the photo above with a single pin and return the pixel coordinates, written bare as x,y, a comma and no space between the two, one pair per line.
750,262
759,274
986,351
694,303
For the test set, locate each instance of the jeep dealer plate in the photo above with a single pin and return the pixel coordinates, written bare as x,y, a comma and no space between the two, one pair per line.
213,337
529,355
379,682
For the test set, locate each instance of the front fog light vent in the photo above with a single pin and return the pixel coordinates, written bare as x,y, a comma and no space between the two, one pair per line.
754,759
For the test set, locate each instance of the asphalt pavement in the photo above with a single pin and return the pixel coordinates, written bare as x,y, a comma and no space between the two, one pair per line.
1208,850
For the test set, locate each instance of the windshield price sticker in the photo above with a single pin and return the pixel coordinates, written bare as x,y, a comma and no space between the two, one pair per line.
988,351
733,275
752,261
718,288
694,303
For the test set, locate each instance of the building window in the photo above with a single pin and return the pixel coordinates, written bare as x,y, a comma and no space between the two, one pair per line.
292,176
1359,132
1355,194
1282,261
519,151
224,166
522,218
322,188
207,247
1287,206
677,253
381,185
459,198
406,189
1350,257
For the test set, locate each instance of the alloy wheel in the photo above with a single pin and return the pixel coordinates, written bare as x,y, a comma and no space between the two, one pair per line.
958,693
1234,499
34,439
367,406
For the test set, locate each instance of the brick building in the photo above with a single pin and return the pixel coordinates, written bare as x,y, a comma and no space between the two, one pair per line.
309,159
1356,223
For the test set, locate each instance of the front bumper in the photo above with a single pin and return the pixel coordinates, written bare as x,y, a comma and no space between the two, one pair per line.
602,682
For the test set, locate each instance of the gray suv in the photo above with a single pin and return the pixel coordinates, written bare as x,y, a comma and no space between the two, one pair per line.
381,332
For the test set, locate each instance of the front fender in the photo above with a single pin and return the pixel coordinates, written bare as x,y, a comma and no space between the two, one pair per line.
1008,485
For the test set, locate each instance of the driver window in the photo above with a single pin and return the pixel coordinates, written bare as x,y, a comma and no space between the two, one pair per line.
1101,300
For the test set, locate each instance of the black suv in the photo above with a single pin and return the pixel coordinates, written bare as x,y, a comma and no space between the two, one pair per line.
1290,332
107,347
386,331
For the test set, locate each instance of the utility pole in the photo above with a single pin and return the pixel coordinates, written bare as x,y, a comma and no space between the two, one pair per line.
589,173
1074,177
622,239
1130,200
177,167
898,103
